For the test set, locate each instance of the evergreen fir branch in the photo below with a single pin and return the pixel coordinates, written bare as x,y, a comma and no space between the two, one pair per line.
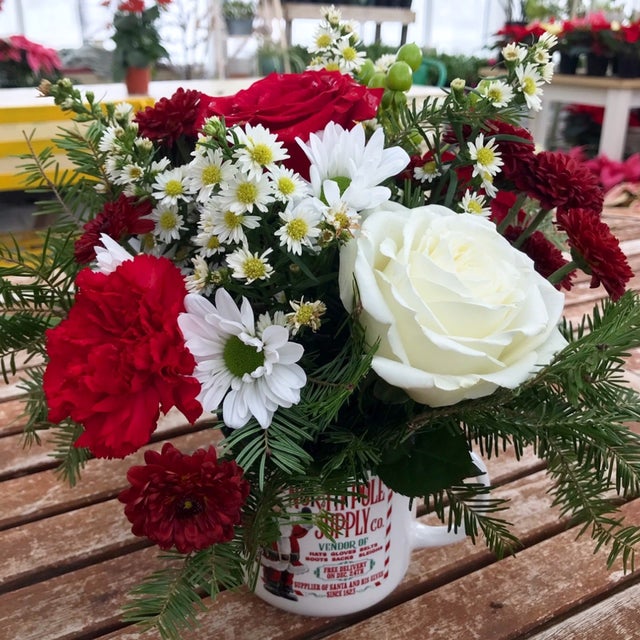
71,459
469,506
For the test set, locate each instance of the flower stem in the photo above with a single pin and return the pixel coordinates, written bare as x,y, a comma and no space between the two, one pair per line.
531,227
560,274
513,212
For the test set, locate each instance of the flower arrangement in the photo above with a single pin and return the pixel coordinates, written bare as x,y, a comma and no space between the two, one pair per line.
25,63
138,43
341,283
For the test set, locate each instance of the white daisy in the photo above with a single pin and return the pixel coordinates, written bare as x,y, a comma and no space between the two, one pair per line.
487,184
110,255
301,225
350,58
208,170
547,72
123,112
200,280
427,171
486,155
229,226
548,40
338,214
266,320
475,204
131,172
514,52
249,375
171,186
109,142
383,63
250,266
323,38
209,244
358,166
529,81
541,56
259,150
497,92
243,193
287,185
168,221
306,314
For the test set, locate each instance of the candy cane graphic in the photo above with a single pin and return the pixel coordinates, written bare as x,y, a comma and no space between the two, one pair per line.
387,540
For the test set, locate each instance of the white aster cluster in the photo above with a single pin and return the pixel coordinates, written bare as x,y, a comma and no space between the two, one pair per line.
335,44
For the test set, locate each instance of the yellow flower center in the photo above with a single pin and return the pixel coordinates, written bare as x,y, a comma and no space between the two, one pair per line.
286,185
261,154
254,268
135,173
332,66
297,229
211,175
342,220
323,40
246,193
474,207
495,95
485,156
232,220
167,220
529,86
213,243
173,188
429,167
304,314
349,54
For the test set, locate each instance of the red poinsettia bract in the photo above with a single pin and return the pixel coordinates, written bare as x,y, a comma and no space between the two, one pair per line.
119,356
185,501
596,250
118,219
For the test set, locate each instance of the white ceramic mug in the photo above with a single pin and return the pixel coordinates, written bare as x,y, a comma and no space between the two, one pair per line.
307,573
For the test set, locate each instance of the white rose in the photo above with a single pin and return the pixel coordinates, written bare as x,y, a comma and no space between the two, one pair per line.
458,311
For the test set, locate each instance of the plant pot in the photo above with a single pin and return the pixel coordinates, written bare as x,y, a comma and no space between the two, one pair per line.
373,532
239,26
628,66
597,65
568,63
137,80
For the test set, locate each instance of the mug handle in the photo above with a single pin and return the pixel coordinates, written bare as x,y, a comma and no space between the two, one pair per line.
425,535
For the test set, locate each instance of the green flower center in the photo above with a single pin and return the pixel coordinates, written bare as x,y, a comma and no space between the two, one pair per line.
261,154
429,167
485,156
297,229
241,358
173,188
247,193
211,175
495,94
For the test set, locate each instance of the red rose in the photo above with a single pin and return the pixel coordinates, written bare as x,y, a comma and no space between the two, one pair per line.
189,502
297,105
119,356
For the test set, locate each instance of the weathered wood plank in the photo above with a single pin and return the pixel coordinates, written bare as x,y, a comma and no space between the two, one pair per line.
506,600
615,618
40,495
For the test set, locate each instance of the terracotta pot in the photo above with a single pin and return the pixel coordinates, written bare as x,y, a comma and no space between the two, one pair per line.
137,80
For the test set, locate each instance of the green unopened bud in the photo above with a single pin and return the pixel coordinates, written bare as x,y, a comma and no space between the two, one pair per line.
458,85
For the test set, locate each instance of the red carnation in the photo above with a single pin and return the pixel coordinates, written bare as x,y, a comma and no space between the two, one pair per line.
596,250
171,118
123,217
189,502
295,105
119,356
558,180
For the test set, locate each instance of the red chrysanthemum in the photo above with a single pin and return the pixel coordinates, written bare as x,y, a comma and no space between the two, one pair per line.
171,118
118,219
184,501
596,250
119,357
514,153
558,180
295,105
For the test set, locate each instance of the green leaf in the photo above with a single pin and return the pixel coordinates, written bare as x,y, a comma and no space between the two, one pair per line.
427,462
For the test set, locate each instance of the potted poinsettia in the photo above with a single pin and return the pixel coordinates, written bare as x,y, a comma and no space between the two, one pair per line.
138,42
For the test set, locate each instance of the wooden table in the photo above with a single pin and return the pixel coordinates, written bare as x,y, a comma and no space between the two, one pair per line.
69,557
618,96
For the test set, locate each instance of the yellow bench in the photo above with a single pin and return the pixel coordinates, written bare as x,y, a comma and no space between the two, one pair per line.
44,121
